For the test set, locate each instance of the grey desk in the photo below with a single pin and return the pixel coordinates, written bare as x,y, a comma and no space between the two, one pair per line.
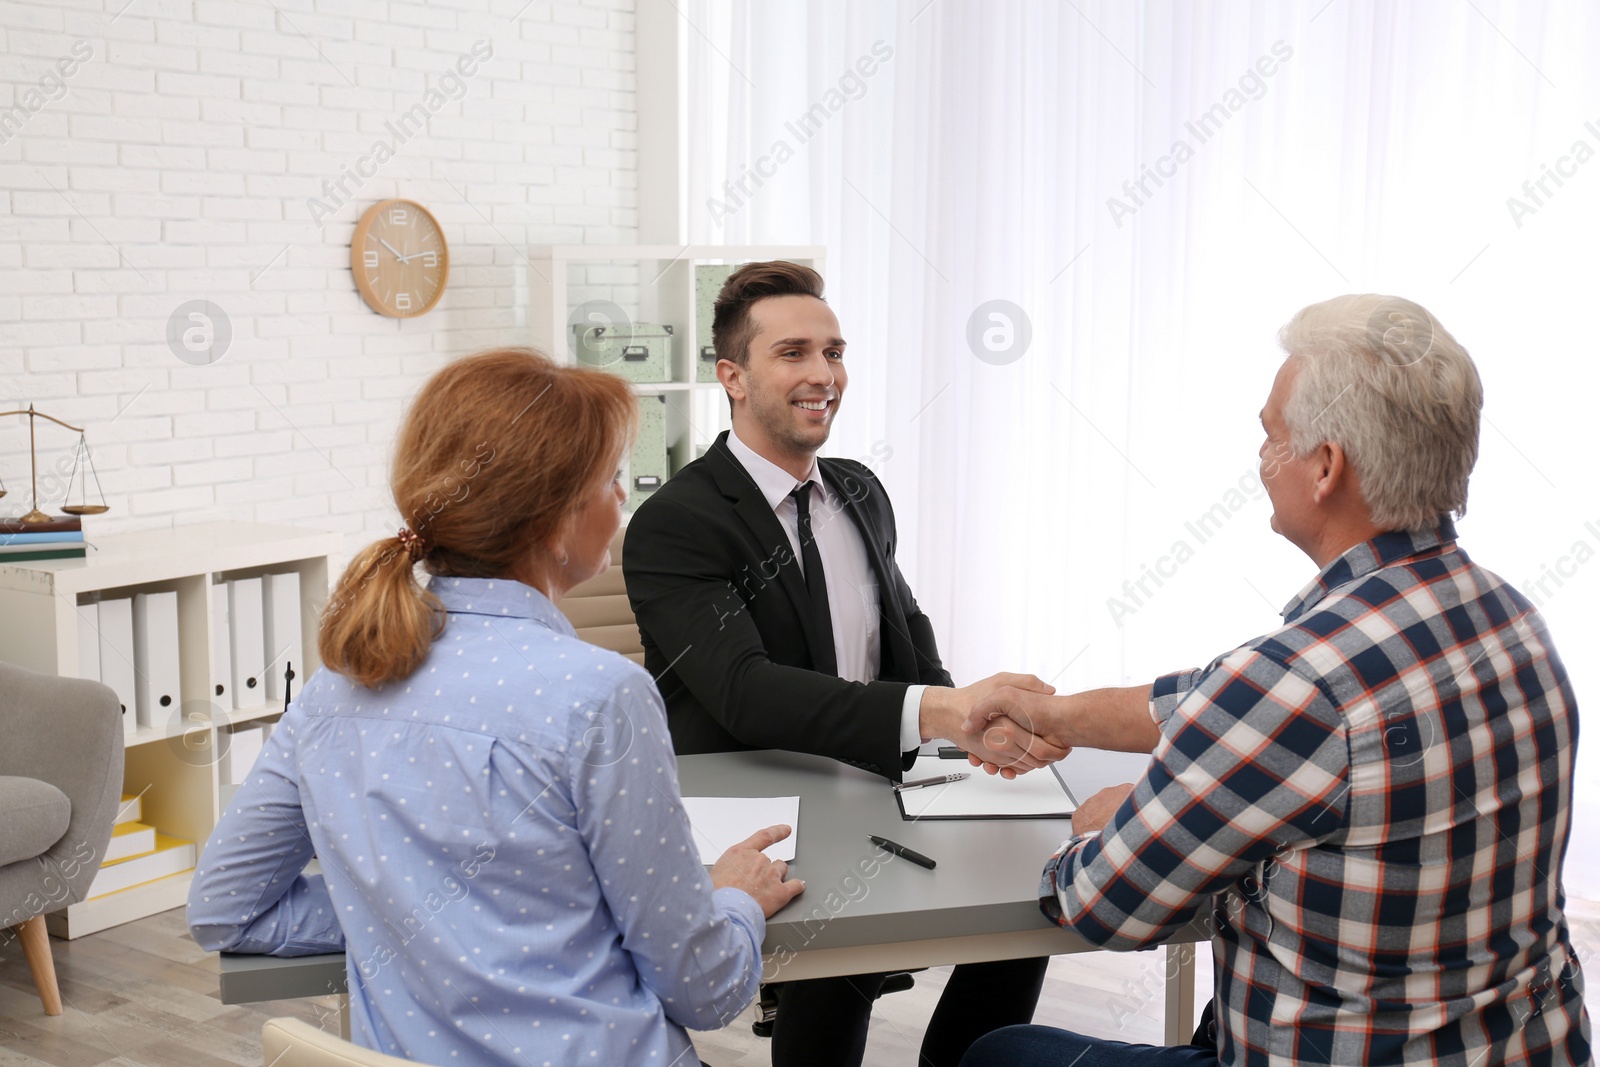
247,979
859,914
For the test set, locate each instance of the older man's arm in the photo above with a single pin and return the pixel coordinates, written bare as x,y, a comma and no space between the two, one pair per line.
1120,719
1117,720
1252,762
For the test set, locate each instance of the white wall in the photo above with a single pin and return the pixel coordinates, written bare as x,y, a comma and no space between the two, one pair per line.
176,163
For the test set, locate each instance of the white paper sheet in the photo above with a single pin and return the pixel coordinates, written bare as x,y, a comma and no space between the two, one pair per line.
720,822
1086,771
982,796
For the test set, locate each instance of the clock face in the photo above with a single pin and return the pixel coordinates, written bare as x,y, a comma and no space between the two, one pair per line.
399,258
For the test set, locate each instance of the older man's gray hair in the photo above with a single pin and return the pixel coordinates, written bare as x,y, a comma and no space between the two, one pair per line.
1383,380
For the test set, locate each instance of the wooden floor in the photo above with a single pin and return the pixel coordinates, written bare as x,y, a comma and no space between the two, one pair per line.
144,994
140,994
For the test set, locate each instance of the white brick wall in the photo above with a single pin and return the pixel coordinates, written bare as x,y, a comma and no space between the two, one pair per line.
176,165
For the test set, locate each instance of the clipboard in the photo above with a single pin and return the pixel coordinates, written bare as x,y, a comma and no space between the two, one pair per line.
1038,794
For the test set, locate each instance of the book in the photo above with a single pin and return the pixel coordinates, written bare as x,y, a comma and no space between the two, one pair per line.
43,546
171,856
129,839
24,553
47,538
129,809
57,524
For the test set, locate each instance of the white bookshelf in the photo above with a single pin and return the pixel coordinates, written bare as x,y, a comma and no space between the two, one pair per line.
172,763
651,284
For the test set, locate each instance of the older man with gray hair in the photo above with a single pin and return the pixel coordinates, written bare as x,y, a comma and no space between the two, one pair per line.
1368,806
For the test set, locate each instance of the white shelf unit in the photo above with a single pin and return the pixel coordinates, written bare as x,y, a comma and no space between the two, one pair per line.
651,284
172,764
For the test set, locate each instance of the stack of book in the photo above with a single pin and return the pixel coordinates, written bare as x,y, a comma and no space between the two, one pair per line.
60,538
138,853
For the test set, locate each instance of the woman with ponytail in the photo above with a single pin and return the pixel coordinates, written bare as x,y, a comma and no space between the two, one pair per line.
494,803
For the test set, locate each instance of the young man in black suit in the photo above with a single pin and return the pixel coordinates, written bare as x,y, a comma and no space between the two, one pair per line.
774,616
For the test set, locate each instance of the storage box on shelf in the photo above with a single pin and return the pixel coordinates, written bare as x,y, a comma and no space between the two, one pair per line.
173,753
577,290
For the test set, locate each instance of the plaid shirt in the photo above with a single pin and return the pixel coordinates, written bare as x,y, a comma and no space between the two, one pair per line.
1369,807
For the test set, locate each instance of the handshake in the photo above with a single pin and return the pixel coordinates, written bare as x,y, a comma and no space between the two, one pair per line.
1009,724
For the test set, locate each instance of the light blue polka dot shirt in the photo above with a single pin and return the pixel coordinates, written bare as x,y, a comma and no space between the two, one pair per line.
507,865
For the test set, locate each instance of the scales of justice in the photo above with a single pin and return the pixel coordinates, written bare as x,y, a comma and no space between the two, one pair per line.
80,459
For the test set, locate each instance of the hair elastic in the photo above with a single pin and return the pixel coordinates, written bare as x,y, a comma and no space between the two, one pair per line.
412,543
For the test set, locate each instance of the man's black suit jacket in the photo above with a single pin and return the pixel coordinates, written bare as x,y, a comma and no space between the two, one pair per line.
721,604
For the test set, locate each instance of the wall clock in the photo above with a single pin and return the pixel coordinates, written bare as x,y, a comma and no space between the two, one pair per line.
399,258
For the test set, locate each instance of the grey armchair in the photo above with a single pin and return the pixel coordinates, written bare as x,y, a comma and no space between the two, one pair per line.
60,783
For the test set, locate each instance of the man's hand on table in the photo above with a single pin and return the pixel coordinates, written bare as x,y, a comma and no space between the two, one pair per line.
1093,814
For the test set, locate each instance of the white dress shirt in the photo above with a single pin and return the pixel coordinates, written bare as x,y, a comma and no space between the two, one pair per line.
852,584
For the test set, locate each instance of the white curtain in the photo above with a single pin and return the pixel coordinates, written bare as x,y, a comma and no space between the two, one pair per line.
1157,187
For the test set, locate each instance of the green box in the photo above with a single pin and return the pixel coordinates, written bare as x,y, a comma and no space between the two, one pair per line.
640,353
708,279
647,466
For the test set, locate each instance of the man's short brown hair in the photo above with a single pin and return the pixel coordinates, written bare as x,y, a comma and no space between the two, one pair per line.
732,328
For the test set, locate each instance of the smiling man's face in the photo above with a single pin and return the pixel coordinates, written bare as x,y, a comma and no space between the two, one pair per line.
788,391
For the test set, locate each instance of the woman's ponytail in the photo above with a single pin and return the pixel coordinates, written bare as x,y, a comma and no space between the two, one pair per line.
380,622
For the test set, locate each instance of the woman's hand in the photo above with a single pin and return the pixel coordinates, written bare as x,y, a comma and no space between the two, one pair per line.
744,867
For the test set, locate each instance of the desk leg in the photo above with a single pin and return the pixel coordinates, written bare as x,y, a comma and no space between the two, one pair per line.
1180,994
344,1009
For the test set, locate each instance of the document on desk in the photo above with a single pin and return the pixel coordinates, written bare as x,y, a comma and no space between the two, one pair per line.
1035,795
720,822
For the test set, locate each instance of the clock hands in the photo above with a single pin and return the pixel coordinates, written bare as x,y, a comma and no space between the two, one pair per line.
398,258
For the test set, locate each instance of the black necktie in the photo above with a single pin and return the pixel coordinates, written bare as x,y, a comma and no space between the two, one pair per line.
816,585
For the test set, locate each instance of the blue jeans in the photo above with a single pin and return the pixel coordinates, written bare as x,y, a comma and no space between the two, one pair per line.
1045,1046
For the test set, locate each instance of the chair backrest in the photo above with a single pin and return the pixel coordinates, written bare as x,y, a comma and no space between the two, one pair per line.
292,1043
599,610
68,732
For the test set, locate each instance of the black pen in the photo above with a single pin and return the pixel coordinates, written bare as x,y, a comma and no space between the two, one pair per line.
900,850
951,752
